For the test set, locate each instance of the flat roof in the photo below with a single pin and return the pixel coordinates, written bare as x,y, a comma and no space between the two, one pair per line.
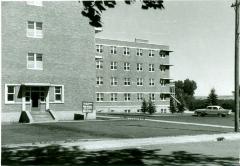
131,44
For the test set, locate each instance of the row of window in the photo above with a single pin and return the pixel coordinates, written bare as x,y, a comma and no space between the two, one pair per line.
126,66
11,93
127,81
127,96
126,51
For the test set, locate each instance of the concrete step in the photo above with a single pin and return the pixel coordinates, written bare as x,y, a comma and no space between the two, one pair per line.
41,116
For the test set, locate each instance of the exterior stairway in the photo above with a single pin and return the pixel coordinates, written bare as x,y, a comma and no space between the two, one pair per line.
42,116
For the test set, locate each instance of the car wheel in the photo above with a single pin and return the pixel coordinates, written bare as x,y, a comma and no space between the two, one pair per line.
198,114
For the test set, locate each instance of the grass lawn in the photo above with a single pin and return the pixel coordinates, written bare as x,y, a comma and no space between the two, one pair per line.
28,133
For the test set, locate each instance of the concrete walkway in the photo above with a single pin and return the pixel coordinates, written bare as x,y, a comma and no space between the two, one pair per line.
104,144
188,123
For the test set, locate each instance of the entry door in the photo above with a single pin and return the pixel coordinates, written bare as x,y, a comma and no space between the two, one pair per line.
35,101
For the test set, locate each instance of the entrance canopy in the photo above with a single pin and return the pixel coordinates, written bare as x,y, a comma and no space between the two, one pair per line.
36,84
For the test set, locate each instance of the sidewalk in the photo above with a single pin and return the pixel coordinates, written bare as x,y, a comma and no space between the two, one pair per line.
105,144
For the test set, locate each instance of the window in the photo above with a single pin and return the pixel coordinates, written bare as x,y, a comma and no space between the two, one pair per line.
100,96
99,80
151,67
113,50
34,61
139,66
113,66
127,82
152,96
126,51
10,93
42,96
35,3
113,96
151,53
162,68
139,96
162,97
127,96
127,111
139,81
113,81
126,66
99,48
99,64
34,29
58,93
162,54
162,82
139,52
151,82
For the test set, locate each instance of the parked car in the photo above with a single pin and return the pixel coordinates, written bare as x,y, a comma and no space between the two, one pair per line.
213,110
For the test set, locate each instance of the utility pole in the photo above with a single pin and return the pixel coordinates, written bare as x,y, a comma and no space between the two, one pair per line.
236,93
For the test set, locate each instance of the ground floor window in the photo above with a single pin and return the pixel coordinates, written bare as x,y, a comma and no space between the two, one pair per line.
10,93
100,96
58,94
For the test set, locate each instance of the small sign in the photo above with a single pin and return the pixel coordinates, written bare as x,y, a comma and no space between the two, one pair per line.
87,107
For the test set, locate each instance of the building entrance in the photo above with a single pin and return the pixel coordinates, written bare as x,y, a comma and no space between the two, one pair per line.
35,97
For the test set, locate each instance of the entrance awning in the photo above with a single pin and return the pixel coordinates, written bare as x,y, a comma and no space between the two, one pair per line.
36,84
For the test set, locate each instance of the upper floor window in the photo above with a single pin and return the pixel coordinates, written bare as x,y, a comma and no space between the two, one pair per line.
126,51
99,81
127,96
35,61
162,68
113,81
99,48
10,93
100,96
162,82
139,81
162,97
152,96
126,66
35,3
34,29
113,96
151,67
139,96
113,66
99,64
139,67
151,53
113,50
127,81
58,93
151,82
163,53
139,52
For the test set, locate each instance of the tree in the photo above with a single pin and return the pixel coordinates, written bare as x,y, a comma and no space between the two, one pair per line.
185,92
93,9
189,86
180,108
172,106
151,107
144,107
212,97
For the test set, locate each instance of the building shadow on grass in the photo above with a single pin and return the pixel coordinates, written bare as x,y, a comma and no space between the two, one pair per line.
58,155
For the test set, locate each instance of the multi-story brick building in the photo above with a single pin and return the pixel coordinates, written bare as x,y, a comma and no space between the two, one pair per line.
48,54
127,72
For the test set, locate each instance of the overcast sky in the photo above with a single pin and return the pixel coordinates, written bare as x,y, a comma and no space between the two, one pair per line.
201,34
